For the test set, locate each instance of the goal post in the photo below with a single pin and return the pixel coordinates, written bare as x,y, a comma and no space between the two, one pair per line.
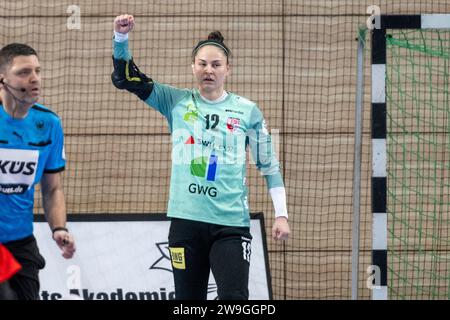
410,132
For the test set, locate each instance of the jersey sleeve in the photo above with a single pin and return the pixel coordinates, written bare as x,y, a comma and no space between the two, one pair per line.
262,150
56,160
164,97
121,50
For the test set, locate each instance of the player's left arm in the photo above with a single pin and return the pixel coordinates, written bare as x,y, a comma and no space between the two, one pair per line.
55,212
263,154
52,190
280,228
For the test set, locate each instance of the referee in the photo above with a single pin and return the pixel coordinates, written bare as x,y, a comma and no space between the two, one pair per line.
31,151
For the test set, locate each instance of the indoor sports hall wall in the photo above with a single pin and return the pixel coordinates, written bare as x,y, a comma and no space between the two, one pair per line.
296,59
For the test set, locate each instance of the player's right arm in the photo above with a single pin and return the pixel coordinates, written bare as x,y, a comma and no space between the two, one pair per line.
126,75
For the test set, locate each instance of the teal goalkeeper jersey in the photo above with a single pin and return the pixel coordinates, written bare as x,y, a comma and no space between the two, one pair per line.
209,143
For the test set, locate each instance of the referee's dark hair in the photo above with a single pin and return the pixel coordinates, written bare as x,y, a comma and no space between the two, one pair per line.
10,51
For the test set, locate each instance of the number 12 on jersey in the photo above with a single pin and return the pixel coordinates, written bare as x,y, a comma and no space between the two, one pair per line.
212,120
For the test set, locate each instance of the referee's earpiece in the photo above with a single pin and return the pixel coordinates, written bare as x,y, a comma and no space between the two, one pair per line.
7,85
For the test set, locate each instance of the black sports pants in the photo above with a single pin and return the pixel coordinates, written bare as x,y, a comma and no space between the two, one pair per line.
24,285
198,247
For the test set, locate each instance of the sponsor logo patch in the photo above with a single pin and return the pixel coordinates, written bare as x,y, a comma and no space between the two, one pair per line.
17,170
191,114
233,124
204,167
178,258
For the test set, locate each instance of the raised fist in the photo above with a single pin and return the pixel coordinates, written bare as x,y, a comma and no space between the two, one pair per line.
124,23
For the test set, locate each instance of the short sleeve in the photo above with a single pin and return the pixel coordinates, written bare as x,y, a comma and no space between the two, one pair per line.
56,160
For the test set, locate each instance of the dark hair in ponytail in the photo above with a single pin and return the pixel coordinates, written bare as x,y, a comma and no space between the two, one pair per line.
215,38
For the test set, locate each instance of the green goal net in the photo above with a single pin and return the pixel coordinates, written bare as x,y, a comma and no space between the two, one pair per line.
418,169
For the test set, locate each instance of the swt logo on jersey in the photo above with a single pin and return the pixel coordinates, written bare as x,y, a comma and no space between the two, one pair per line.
209,144
17,170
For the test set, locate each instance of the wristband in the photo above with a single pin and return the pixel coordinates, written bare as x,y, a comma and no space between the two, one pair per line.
120,37
59,229
278,195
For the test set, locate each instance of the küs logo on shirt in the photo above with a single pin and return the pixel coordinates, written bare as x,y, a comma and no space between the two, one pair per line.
17,170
